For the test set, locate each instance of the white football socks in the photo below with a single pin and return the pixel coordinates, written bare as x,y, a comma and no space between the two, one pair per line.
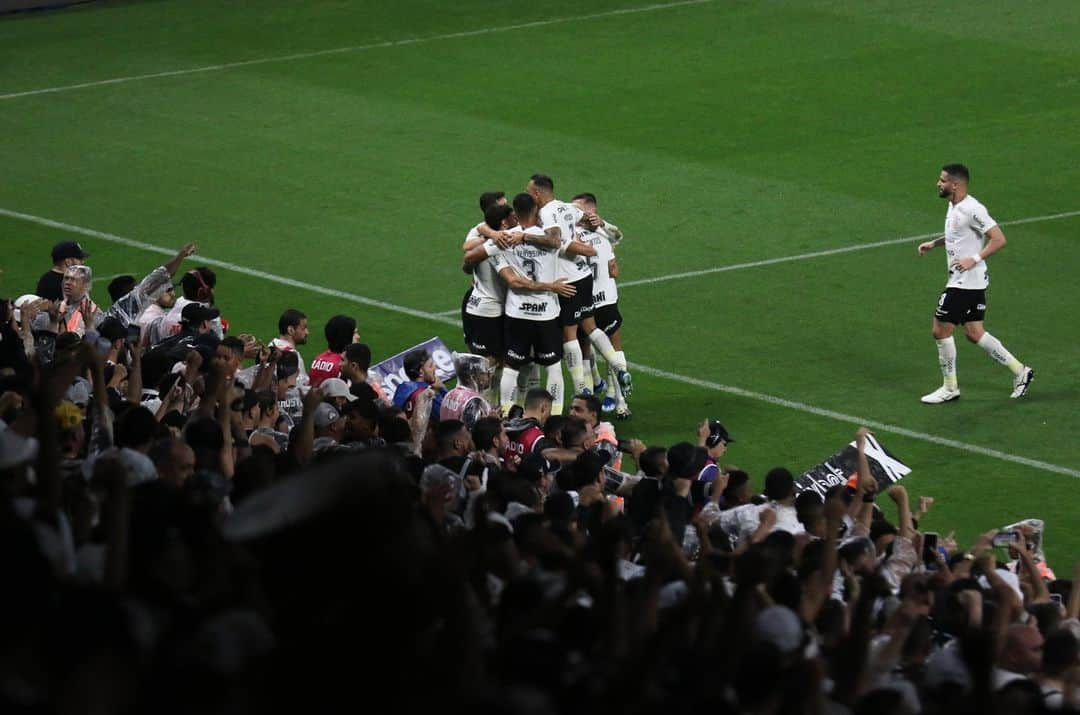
508,387
946,350
572,358
555,387
996,350
603,345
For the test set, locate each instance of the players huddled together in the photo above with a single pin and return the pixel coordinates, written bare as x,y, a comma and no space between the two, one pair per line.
544,295
193,521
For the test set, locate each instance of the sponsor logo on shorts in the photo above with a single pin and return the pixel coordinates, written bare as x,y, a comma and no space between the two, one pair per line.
546,356
514,355
478,346
981,306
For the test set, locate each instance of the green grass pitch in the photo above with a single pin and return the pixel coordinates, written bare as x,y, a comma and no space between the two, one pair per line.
714,132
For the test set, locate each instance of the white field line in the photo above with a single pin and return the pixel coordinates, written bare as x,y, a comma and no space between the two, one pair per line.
820,254
235,267
357,48
737,391
855,420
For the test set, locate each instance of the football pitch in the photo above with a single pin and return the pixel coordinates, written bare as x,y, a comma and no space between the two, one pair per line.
772,165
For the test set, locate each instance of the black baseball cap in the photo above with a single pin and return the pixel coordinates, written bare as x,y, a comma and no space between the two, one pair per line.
197,313
533,466
717,432
68,249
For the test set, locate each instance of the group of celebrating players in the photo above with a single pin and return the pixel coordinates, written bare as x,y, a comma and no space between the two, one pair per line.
543,294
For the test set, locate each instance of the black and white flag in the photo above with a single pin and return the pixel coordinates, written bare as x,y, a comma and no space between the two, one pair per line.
843,466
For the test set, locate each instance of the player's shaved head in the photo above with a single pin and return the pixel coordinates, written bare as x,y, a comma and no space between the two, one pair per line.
957,171
524,206
543,182
537,397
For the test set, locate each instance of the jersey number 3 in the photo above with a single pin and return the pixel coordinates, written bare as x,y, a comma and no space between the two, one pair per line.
530,268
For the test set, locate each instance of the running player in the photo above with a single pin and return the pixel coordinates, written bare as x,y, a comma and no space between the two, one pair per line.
967,224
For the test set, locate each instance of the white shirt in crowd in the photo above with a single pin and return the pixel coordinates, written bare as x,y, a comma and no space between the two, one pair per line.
171,323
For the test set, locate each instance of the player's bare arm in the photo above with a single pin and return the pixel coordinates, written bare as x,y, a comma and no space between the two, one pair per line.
613,268
551,239
518,282
473,256
995,241
928,246
579,248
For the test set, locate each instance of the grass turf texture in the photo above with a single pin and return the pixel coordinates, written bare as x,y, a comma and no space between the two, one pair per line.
714,133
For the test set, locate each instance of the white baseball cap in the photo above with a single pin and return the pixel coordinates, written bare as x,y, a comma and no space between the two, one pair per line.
336,387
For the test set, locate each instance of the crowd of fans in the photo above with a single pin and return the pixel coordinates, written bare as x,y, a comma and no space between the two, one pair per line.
197,522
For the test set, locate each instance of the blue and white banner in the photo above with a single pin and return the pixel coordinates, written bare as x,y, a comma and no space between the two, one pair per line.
843,466
391,372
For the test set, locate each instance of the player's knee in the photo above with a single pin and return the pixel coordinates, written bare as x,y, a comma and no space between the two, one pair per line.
974,336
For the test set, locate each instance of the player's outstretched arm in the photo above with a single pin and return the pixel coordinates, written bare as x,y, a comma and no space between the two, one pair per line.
928,246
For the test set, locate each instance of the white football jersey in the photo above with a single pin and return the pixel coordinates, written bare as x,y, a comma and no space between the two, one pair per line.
488,292
565,216
603,288
474,232
966,224
535,263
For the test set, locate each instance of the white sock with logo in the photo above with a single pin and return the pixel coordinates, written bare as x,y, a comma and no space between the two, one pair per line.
508,387
603,345
555,387
946,351
996,350
572,358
